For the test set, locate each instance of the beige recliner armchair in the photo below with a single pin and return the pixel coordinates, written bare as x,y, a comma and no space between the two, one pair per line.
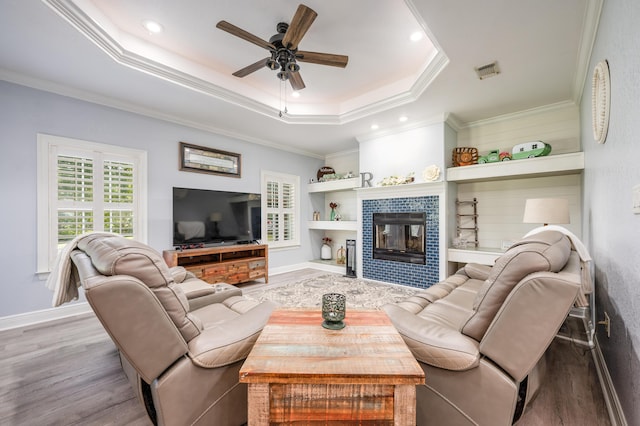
183,363
480,335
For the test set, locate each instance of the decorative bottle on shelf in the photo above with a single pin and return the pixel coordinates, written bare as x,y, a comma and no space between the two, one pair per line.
332,215
325,250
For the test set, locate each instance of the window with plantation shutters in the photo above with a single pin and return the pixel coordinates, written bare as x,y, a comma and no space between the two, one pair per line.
83,187
280,207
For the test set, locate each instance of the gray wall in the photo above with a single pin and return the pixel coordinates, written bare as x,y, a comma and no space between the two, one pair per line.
610,229
24,112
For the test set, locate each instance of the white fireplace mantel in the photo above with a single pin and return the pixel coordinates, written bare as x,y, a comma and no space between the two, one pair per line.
406,190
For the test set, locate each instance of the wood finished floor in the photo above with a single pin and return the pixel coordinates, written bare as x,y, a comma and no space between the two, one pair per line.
67,372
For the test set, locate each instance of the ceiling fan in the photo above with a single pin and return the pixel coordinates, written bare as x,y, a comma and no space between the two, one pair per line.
283,47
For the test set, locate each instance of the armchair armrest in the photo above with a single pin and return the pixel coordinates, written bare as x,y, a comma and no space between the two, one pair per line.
477,271
231,341
179,273
200,293
434,344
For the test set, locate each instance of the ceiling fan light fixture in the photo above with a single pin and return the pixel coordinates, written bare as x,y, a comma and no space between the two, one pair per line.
273,65
293,66
283,48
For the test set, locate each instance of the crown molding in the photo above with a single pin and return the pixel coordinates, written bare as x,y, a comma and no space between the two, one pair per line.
76,17
436,119
98,35
520,114
587,41
93,98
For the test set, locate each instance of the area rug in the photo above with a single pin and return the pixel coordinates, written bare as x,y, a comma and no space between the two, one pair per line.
308,292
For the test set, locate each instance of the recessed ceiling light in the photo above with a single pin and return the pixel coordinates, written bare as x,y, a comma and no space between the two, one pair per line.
374,127
416,36
403,118
295,94
152,26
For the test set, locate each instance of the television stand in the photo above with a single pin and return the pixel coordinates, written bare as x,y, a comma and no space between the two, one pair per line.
229,264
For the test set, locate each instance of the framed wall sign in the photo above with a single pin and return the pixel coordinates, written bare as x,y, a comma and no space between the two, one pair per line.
194,158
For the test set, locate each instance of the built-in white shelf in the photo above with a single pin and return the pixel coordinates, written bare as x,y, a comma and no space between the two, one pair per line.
333,225
483,256
334,185
329,266
552,165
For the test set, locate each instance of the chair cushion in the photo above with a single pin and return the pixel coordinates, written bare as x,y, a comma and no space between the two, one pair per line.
543,252
430,322
229,341
434,342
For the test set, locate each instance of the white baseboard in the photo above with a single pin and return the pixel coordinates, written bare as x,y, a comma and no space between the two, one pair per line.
312,265
36,317
288,268
616,415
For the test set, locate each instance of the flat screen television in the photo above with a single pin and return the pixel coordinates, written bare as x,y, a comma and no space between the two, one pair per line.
208,217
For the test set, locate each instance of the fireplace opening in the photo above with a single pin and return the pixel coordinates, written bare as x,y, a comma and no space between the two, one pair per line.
399,237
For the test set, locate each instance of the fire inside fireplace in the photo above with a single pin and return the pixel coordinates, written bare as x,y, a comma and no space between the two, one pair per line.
399,237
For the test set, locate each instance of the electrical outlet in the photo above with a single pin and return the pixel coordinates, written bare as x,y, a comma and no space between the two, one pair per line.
635,196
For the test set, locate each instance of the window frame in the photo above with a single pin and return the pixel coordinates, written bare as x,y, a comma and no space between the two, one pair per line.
49,148
281,178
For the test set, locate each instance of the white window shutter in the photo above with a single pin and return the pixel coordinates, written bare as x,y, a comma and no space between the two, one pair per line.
85,186
280,209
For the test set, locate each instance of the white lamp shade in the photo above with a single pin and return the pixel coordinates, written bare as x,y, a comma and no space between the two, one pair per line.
546,210
215,217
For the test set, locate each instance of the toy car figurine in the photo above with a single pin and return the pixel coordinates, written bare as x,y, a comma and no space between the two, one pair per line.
530,150
494,156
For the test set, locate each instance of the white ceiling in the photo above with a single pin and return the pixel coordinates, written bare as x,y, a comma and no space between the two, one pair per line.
99,51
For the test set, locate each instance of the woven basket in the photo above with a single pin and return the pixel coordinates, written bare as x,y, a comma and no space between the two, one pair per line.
464,156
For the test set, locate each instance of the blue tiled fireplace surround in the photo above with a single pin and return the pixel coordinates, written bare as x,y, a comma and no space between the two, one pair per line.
414,275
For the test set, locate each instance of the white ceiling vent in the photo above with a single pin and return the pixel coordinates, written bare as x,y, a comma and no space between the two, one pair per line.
486,71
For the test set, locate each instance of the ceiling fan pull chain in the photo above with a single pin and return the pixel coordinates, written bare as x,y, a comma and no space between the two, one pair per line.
283,99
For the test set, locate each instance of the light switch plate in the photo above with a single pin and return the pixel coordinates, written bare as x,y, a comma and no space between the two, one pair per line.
636,199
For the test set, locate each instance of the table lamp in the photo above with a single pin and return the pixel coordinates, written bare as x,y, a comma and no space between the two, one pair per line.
546,211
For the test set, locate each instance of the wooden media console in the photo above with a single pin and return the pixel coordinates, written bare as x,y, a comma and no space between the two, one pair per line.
230,264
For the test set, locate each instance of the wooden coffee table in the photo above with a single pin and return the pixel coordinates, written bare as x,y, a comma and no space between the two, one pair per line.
299,371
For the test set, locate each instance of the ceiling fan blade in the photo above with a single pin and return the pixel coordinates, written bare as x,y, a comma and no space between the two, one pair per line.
298,27
296,81
251,68
245,35
322,58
